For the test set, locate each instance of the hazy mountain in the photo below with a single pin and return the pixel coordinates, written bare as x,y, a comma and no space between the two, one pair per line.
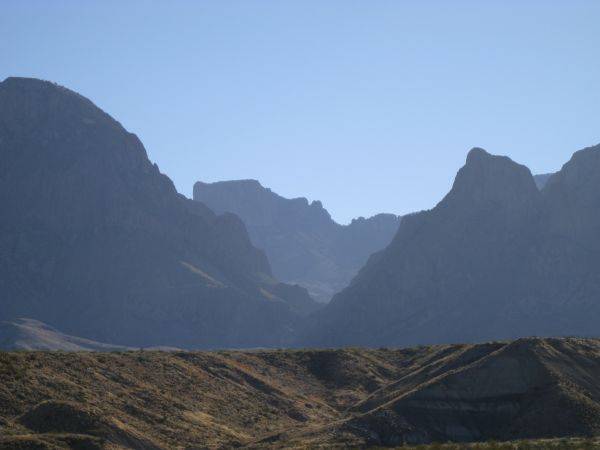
337,398
542,179
95,241
303,243
495,259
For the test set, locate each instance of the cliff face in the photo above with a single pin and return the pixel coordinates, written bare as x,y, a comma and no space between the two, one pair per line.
495,259
304,245
96,241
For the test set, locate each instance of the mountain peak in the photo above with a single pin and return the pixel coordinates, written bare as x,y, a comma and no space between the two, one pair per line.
233,185
30,82
240,182
35,85
27,100
72,178
477,153
581,171
26,81
486,177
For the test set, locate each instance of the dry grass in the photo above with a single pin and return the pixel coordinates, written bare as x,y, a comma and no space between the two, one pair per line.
274,399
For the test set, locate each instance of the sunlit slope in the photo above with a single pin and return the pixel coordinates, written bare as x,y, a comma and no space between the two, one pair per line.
529,388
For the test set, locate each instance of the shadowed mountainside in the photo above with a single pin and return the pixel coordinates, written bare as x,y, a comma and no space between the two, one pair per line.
496,259
96,241
303,243
529,388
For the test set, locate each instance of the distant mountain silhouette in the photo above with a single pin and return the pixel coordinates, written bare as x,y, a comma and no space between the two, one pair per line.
542,179
303,243
96,241
495,259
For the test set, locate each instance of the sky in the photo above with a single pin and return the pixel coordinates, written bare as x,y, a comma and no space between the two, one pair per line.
368,106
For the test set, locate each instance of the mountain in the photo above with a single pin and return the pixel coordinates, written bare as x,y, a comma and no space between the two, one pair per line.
542,179
95,241
495,259
337,398
29,334
304,245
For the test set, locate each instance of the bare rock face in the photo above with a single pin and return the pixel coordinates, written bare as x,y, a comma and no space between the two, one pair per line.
96,241
303,243
495,259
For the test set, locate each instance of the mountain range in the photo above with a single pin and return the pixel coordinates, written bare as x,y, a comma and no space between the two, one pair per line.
497,258
303,243
100,255
96,241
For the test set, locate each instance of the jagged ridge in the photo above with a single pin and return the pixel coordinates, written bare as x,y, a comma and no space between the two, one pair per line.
303,243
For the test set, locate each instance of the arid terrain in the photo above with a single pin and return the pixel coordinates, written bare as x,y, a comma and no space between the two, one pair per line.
501,391
289,225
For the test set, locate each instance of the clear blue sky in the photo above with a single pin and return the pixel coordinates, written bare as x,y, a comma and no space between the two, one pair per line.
368,106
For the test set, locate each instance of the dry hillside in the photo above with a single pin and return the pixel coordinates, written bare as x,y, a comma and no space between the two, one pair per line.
529,388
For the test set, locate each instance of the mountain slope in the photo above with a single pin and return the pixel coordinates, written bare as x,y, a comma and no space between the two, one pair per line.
97,242
302,242
526,389
542,179
350,398
495,259
29,334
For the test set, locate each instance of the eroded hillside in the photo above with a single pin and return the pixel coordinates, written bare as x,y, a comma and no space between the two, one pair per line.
530,388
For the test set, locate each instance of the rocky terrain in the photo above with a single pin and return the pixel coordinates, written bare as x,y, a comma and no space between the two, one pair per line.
497,258
303,243
524,389
96,241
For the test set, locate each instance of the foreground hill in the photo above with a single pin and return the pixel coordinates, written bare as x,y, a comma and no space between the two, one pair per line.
303,243
496,259
529,388
95,241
